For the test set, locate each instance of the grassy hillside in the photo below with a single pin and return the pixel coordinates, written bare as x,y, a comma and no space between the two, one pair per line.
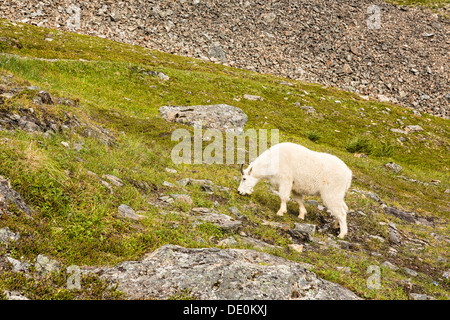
76,221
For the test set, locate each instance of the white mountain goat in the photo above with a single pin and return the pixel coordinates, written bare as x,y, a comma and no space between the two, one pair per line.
294,168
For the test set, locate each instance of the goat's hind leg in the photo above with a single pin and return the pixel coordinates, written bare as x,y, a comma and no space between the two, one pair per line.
338,210
284,192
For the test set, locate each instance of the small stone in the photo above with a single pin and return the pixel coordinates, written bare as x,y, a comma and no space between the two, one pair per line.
395,236
168,184
312,202
201,210
222,221
373,196
46,97
236,212
65,144
14,295
383,98
389,265
184,182
347,245
171,170
228,242
217,53
282,226
410,272
113,179
413,128
18,266
376,238
420,296
346,69
163,76
303,231
183,198
128,212
252,97
6,235
393,166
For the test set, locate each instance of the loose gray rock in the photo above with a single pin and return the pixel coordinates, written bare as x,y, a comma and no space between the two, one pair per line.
413,128
219,274
163,76
128,212
45,265
113,179
9,196
236,212
252,97
221,220
395,236
420,296
18,266
217,53
410,217
183,198
7,235
15,295
217,116
46,97
389,265
410,272
394,167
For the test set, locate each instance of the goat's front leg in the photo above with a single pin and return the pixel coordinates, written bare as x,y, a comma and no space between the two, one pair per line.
284,193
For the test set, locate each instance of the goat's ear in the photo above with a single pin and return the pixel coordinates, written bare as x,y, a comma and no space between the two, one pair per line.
250,171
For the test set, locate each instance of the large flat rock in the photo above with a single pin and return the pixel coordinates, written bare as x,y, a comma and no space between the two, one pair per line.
223,117
212,273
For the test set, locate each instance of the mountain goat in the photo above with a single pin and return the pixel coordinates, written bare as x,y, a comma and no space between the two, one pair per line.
294,168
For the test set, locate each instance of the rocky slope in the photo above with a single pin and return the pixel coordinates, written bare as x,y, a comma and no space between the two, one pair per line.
404,59
86,153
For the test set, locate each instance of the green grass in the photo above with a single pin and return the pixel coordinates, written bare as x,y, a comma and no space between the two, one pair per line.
76,219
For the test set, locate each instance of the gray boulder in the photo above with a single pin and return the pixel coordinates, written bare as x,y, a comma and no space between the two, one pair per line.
304,231
217,116
7,235
212,273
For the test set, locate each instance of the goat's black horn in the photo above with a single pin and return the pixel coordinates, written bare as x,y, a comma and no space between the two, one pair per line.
242,168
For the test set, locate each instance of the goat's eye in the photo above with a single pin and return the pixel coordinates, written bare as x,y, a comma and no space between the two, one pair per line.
244,179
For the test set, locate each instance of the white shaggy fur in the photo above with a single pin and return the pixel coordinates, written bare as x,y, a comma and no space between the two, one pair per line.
294,168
